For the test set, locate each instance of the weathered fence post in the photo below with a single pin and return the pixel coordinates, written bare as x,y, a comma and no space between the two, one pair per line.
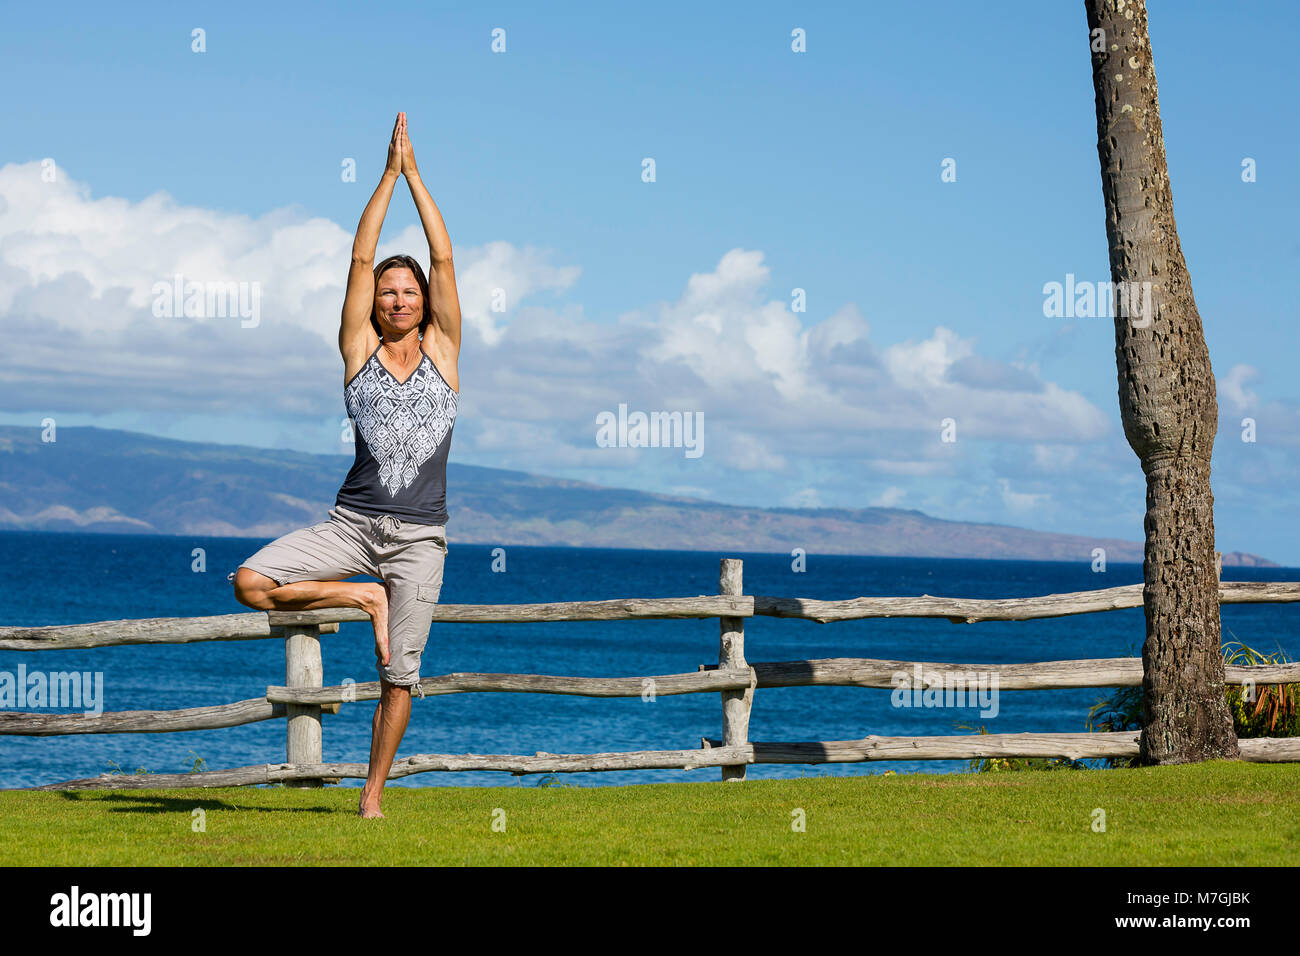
731,654
303,668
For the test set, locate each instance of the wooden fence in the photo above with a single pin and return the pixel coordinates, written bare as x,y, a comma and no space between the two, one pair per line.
304,698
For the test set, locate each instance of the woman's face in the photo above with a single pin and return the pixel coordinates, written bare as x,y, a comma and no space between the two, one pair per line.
398,303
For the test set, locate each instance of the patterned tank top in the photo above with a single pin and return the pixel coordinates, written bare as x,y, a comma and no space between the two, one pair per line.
402,434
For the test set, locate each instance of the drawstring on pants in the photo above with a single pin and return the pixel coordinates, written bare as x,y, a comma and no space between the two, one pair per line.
388,526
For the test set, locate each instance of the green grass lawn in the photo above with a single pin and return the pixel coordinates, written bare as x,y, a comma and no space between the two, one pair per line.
1221,813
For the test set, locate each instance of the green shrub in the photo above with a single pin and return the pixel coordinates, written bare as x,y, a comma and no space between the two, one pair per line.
1000,764
115,769
1266,710
553,780
1120,712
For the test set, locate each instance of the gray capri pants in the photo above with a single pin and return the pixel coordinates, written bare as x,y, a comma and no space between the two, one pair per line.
407,557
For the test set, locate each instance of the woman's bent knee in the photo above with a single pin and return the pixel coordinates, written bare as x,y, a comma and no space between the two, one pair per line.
251,587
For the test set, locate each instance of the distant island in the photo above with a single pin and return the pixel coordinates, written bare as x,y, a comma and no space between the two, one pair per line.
111,481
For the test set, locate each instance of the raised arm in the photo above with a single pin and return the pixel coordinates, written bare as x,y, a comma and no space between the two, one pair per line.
357,337
443,298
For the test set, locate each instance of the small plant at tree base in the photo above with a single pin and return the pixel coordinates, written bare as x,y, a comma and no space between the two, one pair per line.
553,780
1000,764
115,769
1120,712
1266,710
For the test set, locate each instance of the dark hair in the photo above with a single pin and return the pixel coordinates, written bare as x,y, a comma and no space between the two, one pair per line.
399,262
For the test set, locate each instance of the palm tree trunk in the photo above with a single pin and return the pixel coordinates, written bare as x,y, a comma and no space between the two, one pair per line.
1166,397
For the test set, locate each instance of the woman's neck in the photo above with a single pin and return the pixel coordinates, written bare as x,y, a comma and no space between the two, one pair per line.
404,349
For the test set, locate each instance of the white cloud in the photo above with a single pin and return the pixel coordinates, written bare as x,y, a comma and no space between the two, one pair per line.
907,468
1055,457
925,364
1017,501
121,249
890,497
1233,386
500,269
748,452
804,498
722,332
788,400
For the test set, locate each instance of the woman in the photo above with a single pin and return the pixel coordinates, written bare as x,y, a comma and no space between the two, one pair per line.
400,340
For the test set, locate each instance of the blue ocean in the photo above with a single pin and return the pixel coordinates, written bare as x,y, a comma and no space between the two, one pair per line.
75,578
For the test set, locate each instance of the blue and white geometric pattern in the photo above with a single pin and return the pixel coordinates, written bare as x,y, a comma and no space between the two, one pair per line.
402,422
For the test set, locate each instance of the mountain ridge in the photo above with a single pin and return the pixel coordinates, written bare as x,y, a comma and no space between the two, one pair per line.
100,480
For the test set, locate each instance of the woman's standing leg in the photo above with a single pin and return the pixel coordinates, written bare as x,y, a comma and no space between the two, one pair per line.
392,714
411,563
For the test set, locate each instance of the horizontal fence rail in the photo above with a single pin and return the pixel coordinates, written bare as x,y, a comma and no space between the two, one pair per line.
973,610
141,721
303,699
826,672
254,626
268,624
264,624
968,747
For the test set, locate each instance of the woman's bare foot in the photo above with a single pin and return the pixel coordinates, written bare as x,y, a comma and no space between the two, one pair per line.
374,601
368,809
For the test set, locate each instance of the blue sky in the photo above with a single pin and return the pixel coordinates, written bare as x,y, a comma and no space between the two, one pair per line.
774,171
